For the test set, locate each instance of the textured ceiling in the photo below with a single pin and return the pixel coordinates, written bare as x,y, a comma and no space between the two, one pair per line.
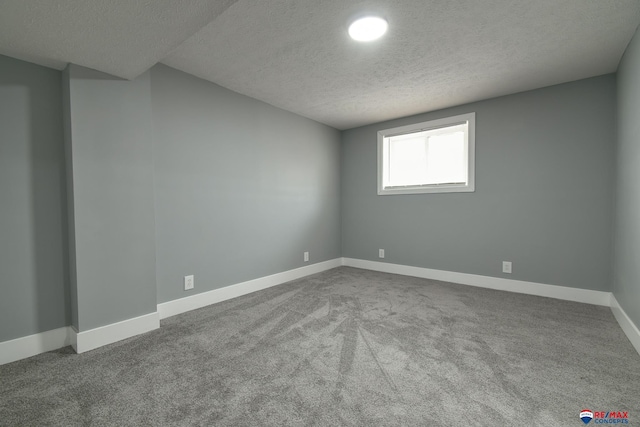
296,54
120,37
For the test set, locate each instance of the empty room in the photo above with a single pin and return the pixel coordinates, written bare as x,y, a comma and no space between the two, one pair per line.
292,213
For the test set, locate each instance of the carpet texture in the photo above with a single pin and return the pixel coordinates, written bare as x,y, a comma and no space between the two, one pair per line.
343,347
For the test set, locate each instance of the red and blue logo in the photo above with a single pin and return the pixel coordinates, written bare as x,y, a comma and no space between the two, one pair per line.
603,417
586,416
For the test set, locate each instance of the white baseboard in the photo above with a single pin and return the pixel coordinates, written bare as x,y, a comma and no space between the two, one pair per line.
630,329
32,345
21,348
552,291
94,338
204,299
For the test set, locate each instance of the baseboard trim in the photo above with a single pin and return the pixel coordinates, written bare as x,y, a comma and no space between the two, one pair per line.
24,347
204,299
32,345
104,335
531,288
630,329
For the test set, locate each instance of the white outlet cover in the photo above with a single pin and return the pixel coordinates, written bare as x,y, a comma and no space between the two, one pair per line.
381,253
506,267
306,256
188,282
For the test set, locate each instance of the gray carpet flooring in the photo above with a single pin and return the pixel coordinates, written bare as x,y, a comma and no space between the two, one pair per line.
343,347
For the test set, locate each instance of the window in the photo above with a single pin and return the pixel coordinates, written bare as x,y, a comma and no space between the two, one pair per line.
429,157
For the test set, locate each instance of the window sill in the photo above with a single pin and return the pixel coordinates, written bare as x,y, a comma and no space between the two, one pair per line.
425,190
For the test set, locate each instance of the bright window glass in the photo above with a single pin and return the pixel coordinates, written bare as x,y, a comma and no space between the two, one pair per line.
427,157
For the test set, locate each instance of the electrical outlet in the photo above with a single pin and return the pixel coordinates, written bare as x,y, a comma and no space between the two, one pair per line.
506,267
188,282
306,257
380,253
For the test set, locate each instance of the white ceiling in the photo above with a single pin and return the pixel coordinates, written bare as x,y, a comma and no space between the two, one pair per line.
120,37
296,54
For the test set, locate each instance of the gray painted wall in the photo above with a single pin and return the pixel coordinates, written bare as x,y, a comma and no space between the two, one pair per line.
543,199
242,188
112,180
33,294
626,269
70,220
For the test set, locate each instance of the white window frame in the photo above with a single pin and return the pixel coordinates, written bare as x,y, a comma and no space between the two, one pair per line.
383,150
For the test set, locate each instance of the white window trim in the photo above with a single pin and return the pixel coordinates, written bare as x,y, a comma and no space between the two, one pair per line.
470,118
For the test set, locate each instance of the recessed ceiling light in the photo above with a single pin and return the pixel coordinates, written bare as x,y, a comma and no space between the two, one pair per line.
368,28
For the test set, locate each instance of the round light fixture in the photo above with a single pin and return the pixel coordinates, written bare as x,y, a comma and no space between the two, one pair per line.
368,28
